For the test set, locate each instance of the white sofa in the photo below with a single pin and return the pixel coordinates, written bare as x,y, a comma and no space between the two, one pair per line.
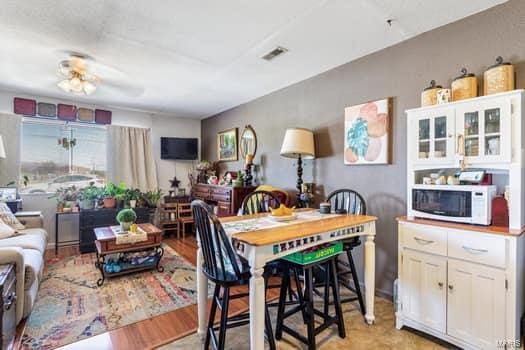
26,249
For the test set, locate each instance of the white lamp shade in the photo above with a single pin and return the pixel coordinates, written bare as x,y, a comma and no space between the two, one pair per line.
2,149
298,141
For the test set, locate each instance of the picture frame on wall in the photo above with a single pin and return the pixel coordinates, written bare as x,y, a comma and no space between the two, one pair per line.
367,133
227,145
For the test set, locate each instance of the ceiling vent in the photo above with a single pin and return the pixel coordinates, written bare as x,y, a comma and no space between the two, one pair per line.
274,53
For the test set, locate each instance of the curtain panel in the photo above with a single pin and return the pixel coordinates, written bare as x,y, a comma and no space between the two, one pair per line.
130,157
10,125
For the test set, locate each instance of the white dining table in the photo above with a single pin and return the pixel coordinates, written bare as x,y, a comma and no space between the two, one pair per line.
260,239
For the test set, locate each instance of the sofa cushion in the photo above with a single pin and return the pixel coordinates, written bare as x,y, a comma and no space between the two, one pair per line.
9,218
26,241
35,231
6,231
33,264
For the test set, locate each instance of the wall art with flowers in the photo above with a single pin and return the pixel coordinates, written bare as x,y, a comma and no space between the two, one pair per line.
367,133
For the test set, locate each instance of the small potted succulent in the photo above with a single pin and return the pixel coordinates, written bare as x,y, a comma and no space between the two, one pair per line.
126,218
66,197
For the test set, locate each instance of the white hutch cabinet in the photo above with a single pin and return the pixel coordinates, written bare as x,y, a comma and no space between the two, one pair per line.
465,283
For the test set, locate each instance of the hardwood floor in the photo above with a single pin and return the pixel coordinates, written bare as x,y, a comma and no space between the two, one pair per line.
158,330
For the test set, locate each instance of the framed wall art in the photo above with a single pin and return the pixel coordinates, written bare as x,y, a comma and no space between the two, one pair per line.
367,138
227,145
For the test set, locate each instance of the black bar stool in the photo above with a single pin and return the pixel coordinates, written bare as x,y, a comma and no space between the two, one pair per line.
306,301
226,269
352,203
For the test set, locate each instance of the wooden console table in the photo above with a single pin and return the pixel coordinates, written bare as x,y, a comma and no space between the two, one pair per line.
227,199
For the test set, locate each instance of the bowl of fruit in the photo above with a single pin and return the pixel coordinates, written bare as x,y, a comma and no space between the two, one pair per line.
282,213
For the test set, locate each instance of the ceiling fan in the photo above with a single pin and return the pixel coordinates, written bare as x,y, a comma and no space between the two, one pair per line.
81,74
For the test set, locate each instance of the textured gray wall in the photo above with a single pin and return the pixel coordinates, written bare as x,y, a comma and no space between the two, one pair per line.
400,71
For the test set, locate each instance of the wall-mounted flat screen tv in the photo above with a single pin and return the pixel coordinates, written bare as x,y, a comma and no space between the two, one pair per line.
179,148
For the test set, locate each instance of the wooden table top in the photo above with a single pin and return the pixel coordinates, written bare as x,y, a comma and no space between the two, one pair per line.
505,231
269,236
106,233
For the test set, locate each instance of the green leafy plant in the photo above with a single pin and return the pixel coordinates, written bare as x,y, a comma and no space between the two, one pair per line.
152,198
115,191
133,194
126,215
66,194
24,180
90,193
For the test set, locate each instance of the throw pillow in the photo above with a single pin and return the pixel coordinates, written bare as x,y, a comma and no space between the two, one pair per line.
6,231
9,218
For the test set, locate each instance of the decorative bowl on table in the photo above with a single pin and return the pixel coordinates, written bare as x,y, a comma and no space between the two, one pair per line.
282,213
290,217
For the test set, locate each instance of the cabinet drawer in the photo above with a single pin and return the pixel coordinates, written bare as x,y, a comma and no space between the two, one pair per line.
478,247
201,195
425,239
201,188
220,191
220,198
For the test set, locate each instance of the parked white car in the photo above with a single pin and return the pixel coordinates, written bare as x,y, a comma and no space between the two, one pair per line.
77,180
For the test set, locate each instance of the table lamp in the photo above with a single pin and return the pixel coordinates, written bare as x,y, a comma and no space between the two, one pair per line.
298,143
2,149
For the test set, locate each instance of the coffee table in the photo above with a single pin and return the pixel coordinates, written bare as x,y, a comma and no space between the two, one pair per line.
106,243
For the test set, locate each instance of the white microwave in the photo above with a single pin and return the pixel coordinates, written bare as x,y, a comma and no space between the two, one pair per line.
457,203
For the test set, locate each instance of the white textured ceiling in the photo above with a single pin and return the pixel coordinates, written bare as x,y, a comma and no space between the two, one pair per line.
195,58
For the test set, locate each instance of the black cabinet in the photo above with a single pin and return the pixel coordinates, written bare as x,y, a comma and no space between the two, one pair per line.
91,219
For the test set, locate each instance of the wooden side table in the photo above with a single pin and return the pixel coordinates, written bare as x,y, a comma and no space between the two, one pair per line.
106,243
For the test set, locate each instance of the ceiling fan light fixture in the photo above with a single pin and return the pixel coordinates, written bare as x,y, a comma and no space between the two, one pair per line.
89,88
64,85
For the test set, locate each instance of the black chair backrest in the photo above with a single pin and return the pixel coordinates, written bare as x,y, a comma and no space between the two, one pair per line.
220,260
259,202
349,200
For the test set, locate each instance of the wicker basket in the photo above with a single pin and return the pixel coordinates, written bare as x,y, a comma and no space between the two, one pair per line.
499,77
429,95
465,86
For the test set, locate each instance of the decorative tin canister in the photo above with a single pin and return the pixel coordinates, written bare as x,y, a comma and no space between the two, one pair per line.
465,86
499,77
429,95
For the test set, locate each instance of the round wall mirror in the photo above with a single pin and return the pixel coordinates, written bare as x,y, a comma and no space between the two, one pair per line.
248,142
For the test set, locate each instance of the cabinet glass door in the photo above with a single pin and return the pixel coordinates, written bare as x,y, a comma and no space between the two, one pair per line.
492,135
471,127
440,137
486,131
424,139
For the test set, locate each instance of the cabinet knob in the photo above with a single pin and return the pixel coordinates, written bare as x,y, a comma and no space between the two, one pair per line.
440,284
450,287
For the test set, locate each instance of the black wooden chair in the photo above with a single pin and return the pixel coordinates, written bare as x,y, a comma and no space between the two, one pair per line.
226,269
259,202
349,202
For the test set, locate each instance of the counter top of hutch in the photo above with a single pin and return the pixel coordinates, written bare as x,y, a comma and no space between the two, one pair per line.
505,231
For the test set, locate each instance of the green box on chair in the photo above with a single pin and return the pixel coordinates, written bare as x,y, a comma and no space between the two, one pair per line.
308,257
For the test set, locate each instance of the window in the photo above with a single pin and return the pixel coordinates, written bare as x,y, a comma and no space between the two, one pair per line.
57,155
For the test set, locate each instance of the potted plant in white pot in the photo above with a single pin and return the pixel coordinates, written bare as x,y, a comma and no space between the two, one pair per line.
126,218
88,196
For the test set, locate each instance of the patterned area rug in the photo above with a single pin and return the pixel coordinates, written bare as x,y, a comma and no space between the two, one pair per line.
71,307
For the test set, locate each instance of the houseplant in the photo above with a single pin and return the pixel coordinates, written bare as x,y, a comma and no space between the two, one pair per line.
133,195
66,197
114,193
109,195
88,196
126,218
152,198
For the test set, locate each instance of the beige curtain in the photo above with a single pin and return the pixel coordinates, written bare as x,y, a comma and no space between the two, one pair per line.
10,130
130,157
